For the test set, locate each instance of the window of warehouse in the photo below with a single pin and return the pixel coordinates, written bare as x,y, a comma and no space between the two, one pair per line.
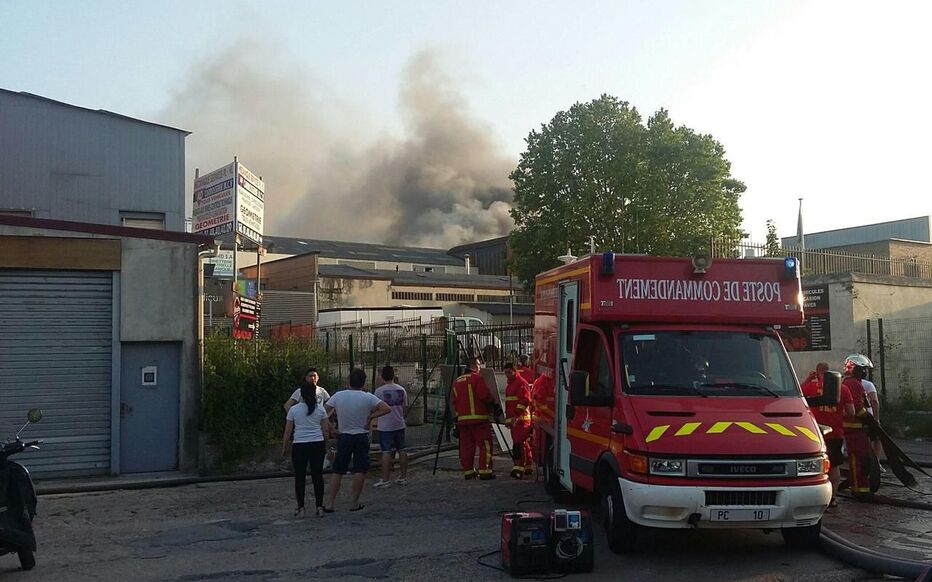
461,297
412,296
150,220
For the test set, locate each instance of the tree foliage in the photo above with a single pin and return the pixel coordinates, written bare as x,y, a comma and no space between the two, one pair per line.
599,170
772,244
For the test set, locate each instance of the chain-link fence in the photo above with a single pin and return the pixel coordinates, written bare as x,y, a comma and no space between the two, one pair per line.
901,350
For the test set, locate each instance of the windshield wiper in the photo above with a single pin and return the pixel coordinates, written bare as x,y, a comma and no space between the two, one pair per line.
691,388
741,385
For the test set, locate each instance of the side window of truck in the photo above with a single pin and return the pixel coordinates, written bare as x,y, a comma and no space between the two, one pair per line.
592,357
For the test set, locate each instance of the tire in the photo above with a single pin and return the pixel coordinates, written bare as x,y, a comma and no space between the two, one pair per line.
802,537
620,531
27,560
551,478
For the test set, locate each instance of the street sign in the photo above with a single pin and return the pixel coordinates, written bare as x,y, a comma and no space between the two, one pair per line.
245,318
250,204
215,201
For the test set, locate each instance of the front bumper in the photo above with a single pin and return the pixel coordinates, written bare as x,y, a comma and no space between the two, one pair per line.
685,506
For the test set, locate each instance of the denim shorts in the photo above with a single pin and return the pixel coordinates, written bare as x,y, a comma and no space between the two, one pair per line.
355,446
392,440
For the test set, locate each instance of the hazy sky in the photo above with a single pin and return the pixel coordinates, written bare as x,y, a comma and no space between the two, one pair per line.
824,100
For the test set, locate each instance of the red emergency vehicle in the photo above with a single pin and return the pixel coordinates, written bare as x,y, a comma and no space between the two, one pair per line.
665,389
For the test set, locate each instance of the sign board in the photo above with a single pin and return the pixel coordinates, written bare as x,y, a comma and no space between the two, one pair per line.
250,204
223,265
815,335
245,318
215,201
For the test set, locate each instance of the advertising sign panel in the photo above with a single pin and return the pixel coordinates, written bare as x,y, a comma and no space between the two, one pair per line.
223,265
250,204
815,335
215,201
245,318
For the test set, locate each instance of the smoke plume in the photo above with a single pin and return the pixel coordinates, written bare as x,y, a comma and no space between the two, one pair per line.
442,182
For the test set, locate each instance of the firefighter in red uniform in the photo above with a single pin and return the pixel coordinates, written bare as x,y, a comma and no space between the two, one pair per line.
861,461
518,418
524,370
831,416
474,408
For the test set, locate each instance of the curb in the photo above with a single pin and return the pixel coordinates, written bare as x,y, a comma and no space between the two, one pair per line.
872,561
69,488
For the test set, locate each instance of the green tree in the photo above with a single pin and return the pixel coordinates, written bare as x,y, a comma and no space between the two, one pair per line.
599,170
772,244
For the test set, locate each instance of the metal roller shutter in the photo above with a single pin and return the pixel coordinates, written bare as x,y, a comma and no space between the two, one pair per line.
56,354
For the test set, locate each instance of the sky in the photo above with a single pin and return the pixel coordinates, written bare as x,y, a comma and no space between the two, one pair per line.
828,101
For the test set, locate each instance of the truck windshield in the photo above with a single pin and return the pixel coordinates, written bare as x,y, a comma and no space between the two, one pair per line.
705,363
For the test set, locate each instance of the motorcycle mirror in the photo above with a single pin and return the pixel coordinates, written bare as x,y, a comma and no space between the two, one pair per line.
34,415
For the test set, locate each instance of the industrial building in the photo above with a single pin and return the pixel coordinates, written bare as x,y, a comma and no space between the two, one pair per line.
98,290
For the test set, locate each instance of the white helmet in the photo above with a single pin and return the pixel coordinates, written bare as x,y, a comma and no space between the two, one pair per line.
857,361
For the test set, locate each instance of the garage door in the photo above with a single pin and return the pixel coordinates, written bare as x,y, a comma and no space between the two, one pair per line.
55,354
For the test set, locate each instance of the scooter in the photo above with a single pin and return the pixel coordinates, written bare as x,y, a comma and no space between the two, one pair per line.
18,499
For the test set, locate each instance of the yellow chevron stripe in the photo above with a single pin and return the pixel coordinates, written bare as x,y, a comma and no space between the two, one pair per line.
688,429
657,432
751,427
812,436
777,427
718,427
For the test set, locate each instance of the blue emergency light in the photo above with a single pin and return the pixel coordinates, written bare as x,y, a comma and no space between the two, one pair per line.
608,264
791,268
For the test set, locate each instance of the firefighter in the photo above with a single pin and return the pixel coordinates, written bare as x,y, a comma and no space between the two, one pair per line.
861,460
524,370
518,418
833,417
474,409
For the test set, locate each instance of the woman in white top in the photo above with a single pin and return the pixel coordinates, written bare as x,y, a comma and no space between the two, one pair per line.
307,425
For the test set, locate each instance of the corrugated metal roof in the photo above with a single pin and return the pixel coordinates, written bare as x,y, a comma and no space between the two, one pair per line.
100,111
914,229
359,251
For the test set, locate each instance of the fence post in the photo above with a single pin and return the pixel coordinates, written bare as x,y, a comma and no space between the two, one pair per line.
870,351
883,366
424,372
375,358
327,342
352,358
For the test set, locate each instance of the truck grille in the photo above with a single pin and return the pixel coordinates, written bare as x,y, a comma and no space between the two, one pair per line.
756,498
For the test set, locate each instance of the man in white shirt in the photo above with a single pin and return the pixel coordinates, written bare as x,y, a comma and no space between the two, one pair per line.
391,428
355,410
873,407
322,395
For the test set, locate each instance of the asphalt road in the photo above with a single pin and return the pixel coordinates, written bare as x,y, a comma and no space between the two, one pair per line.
432,529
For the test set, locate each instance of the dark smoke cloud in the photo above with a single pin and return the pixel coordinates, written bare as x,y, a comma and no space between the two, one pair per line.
442,182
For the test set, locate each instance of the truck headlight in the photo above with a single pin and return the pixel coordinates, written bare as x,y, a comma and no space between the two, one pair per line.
674,467
810,467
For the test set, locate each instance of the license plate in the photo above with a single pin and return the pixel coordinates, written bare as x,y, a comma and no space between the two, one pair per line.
739,515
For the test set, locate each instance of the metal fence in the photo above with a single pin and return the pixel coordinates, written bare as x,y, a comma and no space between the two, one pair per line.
901,350
820,262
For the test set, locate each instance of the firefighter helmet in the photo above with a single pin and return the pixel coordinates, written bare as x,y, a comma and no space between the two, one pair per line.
857,364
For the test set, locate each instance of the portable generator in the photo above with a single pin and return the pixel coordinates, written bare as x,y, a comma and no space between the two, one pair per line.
525,548
570,541
534,543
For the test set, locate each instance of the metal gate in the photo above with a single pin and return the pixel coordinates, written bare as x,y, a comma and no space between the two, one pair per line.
56,354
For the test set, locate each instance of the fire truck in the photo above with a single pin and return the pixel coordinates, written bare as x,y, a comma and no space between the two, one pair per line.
663,387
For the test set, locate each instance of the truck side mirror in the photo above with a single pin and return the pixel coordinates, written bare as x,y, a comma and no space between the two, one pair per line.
831,391
579,387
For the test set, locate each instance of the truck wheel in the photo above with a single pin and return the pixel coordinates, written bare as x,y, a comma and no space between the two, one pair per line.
802,537
620,531
27,560
551,479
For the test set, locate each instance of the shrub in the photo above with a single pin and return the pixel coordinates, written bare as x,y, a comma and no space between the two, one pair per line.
245,384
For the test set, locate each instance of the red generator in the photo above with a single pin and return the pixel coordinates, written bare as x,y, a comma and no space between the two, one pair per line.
525,547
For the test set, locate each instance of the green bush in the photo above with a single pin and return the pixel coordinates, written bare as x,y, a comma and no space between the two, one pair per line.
245,384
